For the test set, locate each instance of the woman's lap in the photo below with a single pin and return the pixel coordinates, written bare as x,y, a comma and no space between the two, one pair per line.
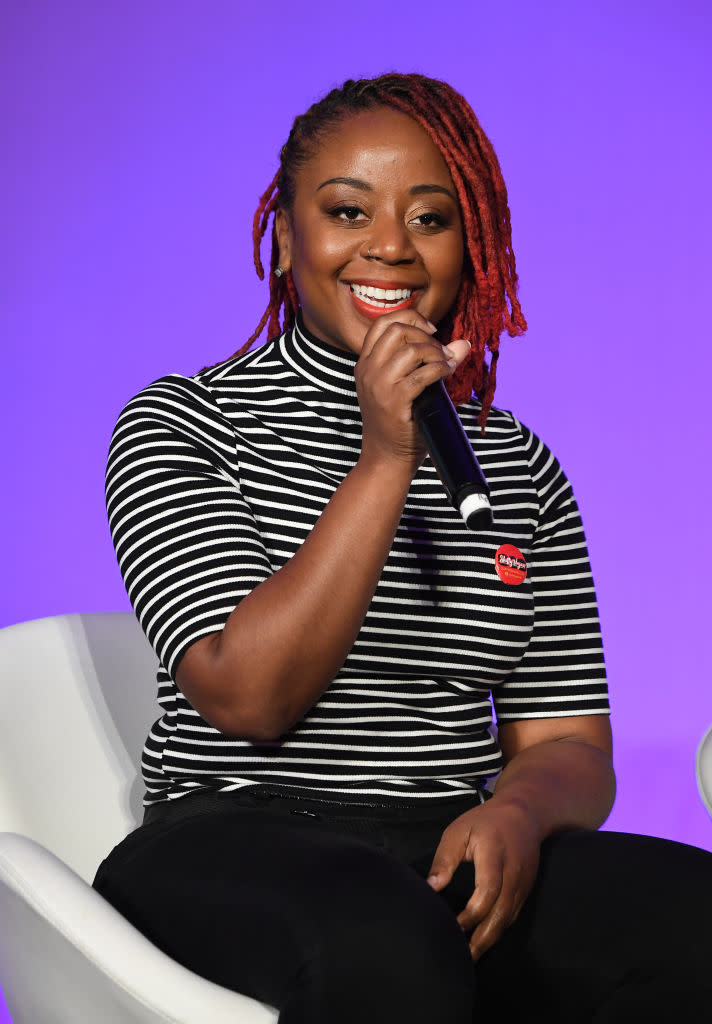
332,927
321,925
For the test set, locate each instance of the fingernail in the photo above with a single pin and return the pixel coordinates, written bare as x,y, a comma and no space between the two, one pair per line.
433,880
452,363
449,351
432,327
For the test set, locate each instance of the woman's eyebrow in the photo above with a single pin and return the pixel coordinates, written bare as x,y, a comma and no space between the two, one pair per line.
417,190
354,182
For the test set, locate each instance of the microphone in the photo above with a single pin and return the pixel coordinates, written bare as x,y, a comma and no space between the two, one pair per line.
452,455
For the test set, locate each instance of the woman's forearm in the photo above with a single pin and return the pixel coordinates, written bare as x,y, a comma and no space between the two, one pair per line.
285,641
562,783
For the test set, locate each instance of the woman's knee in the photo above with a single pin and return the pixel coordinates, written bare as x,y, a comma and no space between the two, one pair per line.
614,920
384,947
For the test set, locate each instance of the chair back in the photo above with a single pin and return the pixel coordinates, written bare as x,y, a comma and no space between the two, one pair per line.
703,767
78,696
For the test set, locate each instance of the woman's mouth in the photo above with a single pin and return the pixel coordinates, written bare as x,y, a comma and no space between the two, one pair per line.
374,302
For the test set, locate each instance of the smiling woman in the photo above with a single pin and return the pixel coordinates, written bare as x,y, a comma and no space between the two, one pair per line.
375,217
320,829
464,168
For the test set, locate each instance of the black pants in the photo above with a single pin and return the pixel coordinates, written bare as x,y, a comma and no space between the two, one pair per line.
326,915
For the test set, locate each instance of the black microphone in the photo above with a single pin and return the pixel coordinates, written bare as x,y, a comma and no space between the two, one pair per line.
452,455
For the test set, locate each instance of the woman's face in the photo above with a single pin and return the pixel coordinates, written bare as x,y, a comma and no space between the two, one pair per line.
375,227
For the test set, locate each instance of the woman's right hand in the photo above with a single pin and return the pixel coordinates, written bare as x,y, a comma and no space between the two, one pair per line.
398,360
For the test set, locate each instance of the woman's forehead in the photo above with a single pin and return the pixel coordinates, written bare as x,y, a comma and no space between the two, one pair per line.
375,142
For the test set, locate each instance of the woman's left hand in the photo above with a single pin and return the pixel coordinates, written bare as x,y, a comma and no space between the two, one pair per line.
502,843
558,775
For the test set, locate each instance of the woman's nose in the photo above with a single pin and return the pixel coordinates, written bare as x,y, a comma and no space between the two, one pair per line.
390,241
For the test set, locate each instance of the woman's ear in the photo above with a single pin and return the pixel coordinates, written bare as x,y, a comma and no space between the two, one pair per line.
283,231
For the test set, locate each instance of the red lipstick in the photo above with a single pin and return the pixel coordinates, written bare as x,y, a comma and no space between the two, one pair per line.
370,310
373,312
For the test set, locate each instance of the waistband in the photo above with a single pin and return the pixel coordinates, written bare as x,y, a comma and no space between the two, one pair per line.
429,812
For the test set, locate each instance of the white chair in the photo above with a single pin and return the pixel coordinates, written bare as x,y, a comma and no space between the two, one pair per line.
703,766
77,698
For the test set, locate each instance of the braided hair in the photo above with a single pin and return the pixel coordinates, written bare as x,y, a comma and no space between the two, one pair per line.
486,303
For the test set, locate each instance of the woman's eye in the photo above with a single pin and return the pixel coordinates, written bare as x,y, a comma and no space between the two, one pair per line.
347,213
430,220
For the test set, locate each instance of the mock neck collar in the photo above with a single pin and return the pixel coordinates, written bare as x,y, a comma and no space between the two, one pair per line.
328,368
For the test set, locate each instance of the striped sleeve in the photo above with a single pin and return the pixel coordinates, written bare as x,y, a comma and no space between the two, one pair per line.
186,541
562,671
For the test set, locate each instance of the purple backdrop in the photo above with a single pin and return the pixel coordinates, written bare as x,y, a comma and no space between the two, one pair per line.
137,139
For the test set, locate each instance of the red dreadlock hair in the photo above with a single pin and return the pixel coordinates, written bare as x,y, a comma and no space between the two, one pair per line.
486,303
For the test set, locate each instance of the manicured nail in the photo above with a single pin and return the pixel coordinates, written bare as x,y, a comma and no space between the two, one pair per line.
433,880
452,363
432,327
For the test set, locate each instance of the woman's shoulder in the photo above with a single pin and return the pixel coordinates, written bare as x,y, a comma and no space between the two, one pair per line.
503,426
171,395
197,391
259,359
509,447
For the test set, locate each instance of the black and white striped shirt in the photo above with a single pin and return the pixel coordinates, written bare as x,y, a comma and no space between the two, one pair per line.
214,482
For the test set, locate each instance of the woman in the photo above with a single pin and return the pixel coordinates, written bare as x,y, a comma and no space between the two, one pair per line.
318,833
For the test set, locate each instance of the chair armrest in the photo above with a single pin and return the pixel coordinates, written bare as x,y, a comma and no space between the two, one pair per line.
65,954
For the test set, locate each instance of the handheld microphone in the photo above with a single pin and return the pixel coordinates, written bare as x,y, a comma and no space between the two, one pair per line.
452,455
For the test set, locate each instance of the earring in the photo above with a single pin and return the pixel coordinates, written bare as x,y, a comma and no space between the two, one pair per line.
278,272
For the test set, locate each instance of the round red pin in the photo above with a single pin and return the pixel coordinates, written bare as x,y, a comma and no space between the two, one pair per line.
510,564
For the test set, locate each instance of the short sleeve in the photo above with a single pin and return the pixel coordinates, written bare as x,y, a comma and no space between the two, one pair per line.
186,540
562,671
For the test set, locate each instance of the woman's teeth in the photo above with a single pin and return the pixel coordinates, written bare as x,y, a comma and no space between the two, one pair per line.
381,297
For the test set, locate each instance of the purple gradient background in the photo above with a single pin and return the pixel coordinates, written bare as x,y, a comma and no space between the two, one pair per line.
137,138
